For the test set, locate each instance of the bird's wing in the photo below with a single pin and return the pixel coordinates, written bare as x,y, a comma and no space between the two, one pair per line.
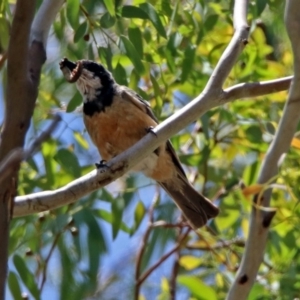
144,106
138,101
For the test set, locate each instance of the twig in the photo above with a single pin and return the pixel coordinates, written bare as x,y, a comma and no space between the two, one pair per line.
232,51
44,275
218,245
3,59
254,89
220,257
164,224
143,246
175,269
11,163
163,258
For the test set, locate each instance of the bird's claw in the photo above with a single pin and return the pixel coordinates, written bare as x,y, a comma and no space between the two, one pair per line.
151,130
101,164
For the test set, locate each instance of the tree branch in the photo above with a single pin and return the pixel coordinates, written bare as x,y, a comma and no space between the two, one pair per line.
181,240
175,268
11,163
255,89
233,50
260,219
44,19
218,245
142,248
16,119
24,61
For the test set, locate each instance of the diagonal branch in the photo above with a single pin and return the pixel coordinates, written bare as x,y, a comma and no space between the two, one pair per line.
255,89
44,19
179,244
11,163
261,219
233,50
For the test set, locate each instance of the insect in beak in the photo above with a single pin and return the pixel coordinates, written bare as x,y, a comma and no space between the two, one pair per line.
71,71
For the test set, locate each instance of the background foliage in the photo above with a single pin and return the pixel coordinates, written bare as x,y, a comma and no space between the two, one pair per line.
165,50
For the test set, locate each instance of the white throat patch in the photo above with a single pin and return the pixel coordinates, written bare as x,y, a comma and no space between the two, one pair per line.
89,85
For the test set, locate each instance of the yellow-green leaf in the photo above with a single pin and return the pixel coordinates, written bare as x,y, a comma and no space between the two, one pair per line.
197,287
190,262
110,6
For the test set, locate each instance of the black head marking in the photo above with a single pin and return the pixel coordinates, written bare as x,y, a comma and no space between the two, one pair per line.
93,81
98,71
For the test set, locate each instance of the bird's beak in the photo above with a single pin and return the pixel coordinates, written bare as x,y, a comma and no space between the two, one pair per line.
71,70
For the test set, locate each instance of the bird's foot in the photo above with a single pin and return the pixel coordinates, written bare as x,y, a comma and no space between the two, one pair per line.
151,130
101,164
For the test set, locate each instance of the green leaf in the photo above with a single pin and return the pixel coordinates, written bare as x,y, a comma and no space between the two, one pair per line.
197,287
166,8
134,81
210,22
170,60
60,222
68,162
107,21
147,35
190,262
67,270
260,6
188,61
117,208
106,195
95,240
4,29
14,286
159,102
254,134
154,18
258,292
229,214
129,11
191,159
81,141
120,75
107,216
110,6
205,124
135,36
174,42
26,276
139,214
74,102
80,32
73,12
250,173
133,55
94,248
106,55
48,151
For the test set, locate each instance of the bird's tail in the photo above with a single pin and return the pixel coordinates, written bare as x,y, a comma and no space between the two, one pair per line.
196,208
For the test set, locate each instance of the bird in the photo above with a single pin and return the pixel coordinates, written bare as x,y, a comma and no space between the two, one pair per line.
116,118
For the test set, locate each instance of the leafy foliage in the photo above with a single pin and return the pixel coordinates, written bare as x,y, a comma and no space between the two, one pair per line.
166,51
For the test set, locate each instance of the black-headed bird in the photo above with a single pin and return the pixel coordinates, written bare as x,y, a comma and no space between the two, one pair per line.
116,118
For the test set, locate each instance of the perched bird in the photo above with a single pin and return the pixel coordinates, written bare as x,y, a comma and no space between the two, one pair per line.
116,118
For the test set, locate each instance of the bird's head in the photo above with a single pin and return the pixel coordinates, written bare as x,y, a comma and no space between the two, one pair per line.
90,77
